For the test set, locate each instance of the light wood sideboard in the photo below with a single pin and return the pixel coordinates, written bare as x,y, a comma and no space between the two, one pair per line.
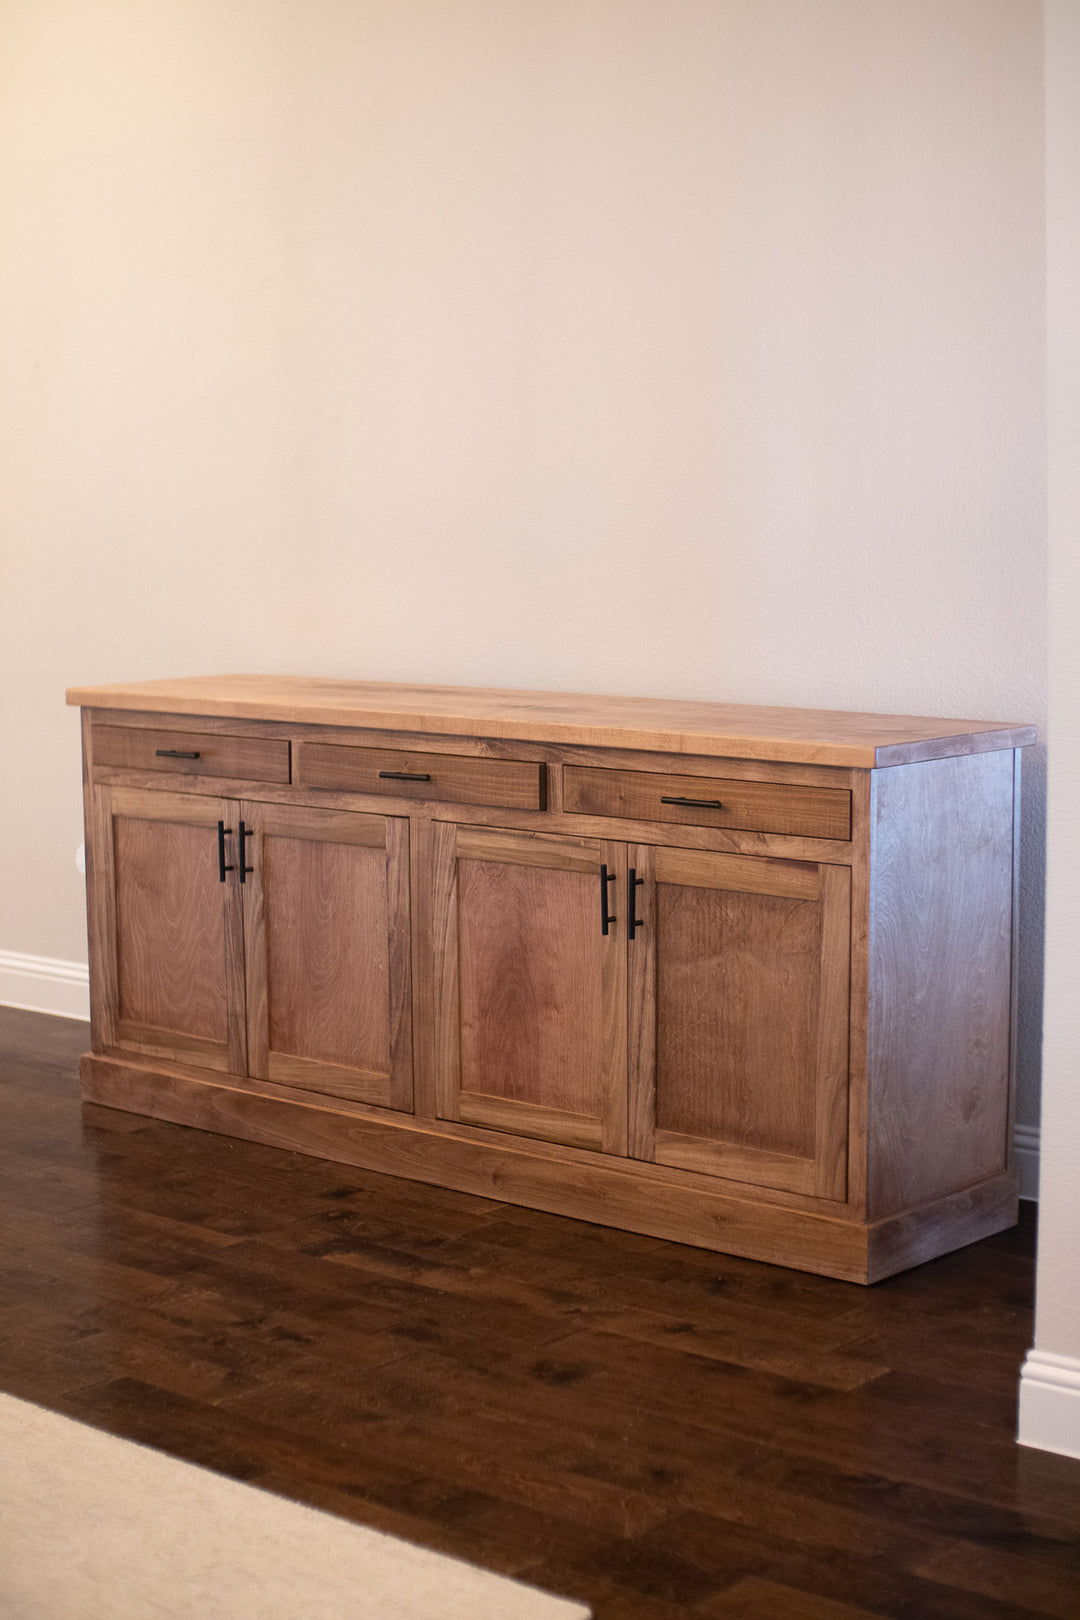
736,977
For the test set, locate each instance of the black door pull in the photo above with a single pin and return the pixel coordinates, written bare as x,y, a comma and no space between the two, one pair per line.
696,804
223,832
405,776
245,834
176,753
606,918
633,921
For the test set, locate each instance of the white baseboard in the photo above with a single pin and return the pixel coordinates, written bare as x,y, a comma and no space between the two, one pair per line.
44,984
1050,1403
1026,1144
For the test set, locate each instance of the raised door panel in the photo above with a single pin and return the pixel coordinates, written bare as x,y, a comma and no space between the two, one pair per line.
530,1002
173,980
739,1015
326,928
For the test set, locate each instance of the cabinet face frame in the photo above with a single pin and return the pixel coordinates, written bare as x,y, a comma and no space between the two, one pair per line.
106,903
389,1087
822,1174
604,1129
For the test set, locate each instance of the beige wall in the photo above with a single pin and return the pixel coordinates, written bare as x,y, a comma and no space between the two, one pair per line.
689,348
1050,1392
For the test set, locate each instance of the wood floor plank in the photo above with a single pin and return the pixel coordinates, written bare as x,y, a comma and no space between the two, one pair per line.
864,1582
758,1599
989,1572
502,1537
403,1419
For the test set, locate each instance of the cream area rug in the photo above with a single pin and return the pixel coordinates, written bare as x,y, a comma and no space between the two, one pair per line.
95,1528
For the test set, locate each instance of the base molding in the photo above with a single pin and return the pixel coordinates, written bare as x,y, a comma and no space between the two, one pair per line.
44,984
1050,1403
1026,1150
609,1192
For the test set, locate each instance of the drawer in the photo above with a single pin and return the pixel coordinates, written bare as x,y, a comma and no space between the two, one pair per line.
192,753
516,784
708,801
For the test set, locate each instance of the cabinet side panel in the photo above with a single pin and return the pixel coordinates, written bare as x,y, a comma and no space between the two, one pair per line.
861,802
940,968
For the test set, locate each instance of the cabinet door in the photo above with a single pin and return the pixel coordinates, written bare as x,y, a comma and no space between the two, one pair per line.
739,1018
168,930
326,935
530,991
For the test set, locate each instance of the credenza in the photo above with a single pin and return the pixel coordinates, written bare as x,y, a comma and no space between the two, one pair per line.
736,977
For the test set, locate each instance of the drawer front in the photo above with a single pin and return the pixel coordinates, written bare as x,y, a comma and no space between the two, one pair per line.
192,753
509,783
707,801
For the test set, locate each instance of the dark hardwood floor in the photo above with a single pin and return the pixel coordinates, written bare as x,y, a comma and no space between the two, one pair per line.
656,1430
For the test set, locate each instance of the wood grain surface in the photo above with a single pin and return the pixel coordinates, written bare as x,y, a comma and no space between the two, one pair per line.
940,973
257,759
169,927
329,958
537,1013
739,1026
522,1118
175,971
737,1001
791,880
450,778
812,736
758,806
328,969
531,984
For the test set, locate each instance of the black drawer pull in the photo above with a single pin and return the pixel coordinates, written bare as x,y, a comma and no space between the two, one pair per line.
245,834
177,753
405,776
695,804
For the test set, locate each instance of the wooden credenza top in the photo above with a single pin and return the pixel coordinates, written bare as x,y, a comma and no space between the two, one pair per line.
662,725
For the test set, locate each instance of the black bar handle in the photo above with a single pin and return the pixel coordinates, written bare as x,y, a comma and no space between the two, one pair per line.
245,834
405,776
606,918
633,921
176,753
695,804
223,832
